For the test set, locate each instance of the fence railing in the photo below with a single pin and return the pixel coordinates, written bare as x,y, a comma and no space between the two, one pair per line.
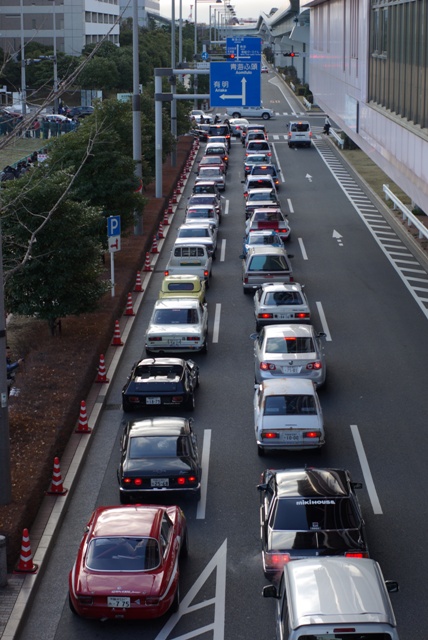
412,220
337,138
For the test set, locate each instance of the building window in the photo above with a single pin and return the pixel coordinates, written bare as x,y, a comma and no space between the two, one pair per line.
353,33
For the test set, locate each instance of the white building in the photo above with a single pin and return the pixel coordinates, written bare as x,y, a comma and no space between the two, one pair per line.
144,7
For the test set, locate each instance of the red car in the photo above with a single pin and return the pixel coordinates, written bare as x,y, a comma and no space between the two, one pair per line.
127,564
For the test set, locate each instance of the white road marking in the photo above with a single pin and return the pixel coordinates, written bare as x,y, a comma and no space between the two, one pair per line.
205,462
216,328
278,85
278,165
226,207
223,250
377,509
323,321
218,563
290,206
302,249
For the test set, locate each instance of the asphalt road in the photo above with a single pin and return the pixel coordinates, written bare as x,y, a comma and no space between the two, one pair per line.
374,403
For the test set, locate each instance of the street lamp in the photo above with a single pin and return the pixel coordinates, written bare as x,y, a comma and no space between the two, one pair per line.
55,62
23,79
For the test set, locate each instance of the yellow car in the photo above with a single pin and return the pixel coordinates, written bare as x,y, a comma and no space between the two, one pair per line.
182,286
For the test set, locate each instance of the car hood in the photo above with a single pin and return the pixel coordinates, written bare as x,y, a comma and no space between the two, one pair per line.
118,583
158,466
312,543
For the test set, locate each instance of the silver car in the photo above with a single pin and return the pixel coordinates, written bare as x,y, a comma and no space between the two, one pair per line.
202,213
200,232
279,303
289,350
212,174
177,324
263,265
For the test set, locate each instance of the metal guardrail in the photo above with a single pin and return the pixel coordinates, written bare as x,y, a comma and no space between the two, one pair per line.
412,220
307,104
337,138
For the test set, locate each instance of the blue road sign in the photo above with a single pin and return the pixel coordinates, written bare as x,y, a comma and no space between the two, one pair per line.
244,48
113,226
235,84
205,55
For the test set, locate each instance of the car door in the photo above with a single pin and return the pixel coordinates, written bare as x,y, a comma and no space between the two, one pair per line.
257,407
258,351
266,507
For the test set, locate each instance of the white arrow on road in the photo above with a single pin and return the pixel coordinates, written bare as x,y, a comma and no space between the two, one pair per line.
242,97
308,177
338,237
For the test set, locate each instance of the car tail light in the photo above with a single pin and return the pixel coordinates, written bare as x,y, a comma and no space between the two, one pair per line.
245,280
152,600
314,366
166,273
206,274
356,554
265,315
275,561
126,480
193,338
312,434
138,482
182,480
133,399
155,339
269,435
267,366
310,134
86,600
245,194
177,399
302,315
291,278
268,153
289,134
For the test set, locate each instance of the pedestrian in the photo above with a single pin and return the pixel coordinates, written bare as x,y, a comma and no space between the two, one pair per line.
327,125
36,128
11,368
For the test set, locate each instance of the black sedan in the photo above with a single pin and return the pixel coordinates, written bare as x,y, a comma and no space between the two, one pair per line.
309,512
158,454
166,382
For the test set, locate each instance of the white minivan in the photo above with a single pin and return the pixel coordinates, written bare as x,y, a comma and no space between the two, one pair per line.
333,598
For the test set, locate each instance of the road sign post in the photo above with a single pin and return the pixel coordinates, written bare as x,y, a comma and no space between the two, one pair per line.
113,235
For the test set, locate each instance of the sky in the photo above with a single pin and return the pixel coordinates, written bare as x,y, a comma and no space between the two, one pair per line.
252,9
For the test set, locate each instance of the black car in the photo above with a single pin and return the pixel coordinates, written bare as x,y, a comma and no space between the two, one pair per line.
202,132
309,512
159,454
265,170
80,112
156,382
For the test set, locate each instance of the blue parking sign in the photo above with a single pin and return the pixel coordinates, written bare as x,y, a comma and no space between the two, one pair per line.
113,226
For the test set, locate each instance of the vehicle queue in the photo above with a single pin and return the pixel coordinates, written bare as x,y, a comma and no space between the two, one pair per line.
289,367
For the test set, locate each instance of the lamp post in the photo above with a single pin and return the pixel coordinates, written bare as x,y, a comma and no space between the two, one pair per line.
23,80
55,62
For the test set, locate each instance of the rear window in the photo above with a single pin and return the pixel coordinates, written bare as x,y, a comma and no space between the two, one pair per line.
191,232
293,405
258,145
181,286
267,170
289,345
283,298
268,263
311,514
176,316
270,216
265,240
204,188
268,197
259,184
300,126
123,554
189,252
219,130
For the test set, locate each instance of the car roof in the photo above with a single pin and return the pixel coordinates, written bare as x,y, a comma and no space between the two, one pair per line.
140,520
159,427
295,286
311,482
289,330
174,303
288,386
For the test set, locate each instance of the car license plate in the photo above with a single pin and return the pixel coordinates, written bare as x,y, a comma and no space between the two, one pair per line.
159,482
291,437
290,369
284,316
119,602
174,343
153,400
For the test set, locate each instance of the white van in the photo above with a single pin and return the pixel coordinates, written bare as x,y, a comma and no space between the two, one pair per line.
333,598
190,259
299,133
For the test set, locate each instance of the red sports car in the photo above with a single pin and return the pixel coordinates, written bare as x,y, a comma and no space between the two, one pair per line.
127,564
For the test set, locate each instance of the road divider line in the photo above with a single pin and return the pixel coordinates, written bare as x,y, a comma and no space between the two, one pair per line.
226,207
205,461
216,328
223,250
302,249
324,322
377,509
278,164
290,205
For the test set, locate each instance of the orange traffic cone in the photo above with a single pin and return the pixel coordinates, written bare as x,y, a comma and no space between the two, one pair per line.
147,264
170,210
178,188
26,564
117,340
174,197
154,248
160,232
165,220
129,311
57,488
83,420
138,285
102,374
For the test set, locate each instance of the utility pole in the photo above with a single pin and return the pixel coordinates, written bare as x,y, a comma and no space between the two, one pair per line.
136,110
23,79
5,477
173,81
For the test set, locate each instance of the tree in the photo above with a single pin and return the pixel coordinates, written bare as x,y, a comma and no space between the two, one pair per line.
99,73
63,274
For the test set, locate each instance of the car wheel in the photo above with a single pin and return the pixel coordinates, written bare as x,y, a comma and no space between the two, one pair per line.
184,551
236,115
71,605
190,404
260,450
176,602
265,116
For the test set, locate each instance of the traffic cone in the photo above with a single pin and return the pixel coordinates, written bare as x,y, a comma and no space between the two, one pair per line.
129,311
165,220
117,341
57,488
160,232
83,420
170,210
147,264
26,564
138,285
174,197
154,248
178,188
102,375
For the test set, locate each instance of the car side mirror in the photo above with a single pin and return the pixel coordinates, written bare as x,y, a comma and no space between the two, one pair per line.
262,487
357,485
392,586
242,257
321,334
254,336
270,592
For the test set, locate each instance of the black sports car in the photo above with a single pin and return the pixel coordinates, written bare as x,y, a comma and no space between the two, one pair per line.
158,454
309,512
155,382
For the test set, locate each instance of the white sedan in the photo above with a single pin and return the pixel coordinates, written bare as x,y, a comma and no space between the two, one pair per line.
287,415
279,303
177,324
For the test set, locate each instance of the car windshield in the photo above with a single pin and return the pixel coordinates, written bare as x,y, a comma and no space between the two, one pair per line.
158,447
146,371
310,514
176,316
195,232
282,298
123,554
268,263
289,405
280,344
